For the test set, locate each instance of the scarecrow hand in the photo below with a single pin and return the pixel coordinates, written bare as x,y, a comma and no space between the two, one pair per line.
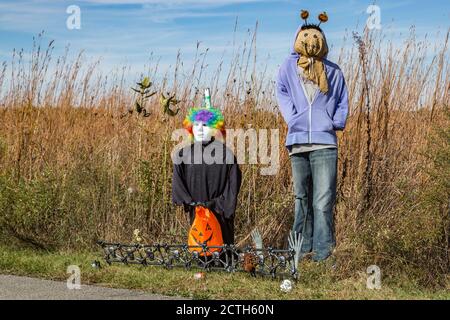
206,204
198,203
209,204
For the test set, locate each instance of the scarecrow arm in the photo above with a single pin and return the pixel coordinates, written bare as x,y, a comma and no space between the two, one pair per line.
340,116
180,195
226,203
285,103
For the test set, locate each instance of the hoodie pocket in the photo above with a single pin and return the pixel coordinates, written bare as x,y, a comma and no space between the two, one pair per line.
321,120
299,122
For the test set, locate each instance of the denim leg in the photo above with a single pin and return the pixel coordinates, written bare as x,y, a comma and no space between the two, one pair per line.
301,173
323,172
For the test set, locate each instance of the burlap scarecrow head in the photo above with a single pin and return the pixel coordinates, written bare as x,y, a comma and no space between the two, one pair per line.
312,47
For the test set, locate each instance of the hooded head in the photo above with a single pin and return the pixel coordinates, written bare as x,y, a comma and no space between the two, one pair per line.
310,41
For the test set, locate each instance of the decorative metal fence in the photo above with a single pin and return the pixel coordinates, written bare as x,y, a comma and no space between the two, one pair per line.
229,258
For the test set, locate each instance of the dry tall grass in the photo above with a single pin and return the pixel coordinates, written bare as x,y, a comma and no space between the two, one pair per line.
75,167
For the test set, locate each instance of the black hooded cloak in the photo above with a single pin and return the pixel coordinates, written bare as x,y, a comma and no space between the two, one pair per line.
208,172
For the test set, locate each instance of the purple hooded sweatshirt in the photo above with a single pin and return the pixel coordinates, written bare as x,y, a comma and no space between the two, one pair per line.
315,123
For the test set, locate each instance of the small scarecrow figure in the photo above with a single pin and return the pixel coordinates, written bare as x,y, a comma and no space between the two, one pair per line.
206,177
312,97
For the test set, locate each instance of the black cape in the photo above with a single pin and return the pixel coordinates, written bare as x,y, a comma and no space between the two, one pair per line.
209,173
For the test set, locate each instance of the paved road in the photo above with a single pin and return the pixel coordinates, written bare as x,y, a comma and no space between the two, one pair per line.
25,288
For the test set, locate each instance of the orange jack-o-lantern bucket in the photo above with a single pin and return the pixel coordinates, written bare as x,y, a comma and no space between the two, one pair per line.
205,230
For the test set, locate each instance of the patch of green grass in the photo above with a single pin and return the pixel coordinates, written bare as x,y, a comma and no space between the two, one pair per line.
317,281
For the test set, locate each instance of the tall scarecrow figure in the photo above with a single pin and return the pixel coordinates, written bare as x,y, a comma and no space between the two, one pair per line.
206,178
312,96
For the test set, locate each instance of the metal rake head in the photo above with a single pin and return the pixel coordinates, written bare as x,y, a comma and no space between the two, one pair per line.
295,243
257,239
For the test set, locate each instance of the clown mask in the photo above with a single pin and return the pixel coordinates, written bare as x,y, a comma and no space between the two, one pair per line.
201,131
204,123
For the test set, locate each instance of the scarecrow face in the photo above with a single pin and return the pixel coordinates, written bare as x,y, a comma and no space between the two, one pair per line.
204,123
311,43
201,131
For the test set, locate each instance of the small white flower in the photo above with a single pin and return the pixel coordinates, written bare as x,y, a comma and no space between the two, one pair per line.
286,286
199,275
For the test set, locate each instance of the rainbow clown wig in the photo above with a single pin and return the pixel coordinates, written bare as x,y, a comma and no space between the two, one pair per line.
212,117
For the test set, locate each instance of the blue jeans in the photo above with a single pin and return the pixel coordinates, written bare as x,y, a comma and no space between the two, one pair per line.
314,176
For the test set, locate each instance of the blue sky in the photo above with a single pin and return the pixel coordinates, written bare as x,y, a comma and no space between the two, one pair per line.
122,32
